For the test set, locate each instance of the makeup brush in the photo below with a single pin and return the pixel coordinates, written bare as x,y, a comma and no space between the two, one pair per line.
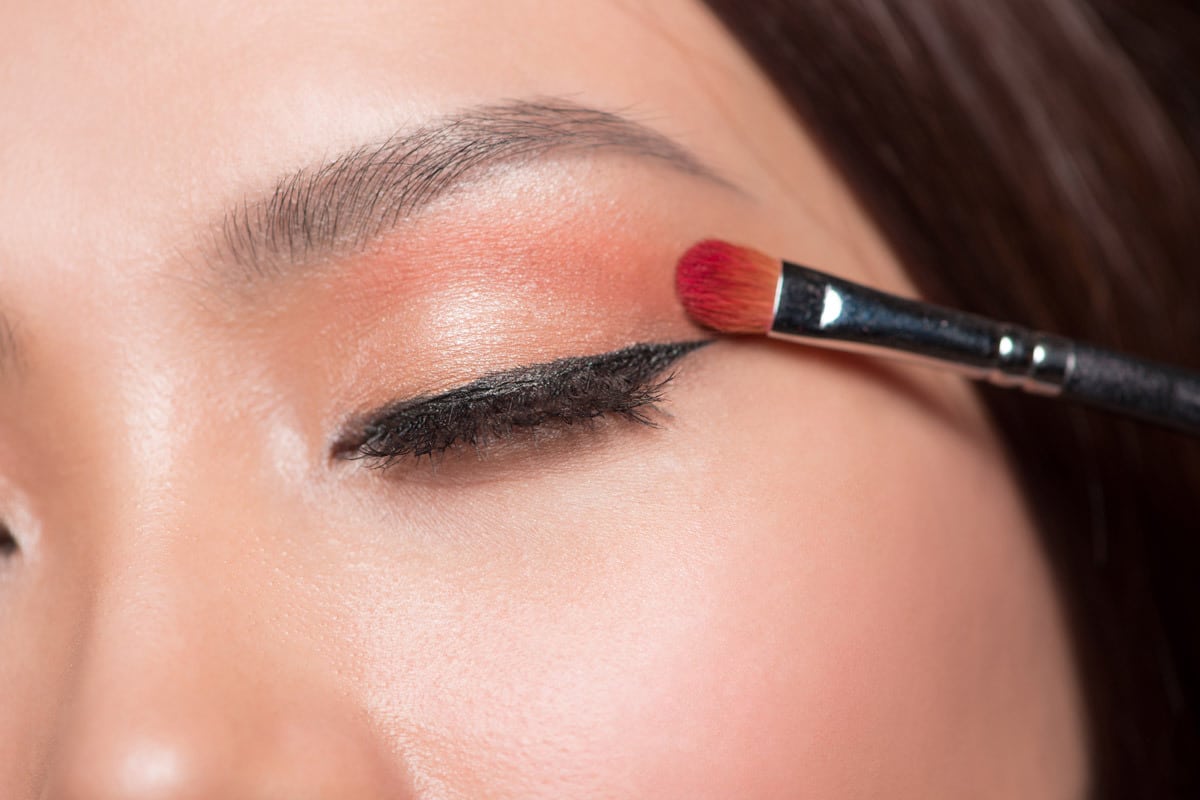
738,290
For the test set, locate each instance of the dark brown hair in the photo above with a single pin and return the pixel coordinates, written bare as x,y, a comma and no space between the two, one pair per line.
1036,160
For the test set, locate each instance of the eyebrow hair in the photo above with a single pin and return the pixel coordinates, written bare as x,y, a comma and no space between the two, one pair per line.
341,205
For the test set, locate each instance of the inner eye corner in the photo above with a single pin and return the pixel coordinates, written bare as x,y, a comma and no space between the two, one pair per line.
346,444
8,542
343,448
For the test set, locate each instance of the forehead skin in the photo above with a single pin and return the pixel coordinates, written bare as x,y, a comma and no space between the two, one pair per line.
814,578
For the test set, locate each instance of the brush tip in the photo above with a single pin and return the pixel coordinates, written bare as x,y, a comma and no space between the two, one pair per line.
728,288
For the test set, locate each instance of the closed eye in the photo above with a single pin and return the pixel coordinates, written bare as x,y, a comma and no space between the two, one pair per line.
501,406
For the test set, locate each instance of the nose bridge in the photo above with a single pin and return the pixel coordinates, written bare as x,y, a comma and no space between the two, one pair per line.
192,678
198,671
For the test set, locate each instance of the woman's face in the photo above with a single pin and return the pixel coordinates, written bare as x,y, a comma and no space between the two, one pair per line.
232,236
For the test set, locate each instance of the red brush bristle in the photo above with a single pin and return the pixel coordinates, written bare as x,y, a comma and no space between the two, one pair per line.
728,288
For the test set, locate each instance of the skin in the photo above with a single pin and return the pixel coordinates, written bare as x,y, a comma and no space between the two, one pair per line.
815,578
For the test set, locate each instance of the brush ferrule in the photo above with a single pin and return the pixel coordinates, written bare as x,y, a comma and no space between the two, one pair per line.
815,306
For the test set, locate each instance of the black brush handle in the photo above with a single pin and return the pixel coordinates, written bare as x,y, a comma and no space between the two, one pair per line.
821,309
1154,392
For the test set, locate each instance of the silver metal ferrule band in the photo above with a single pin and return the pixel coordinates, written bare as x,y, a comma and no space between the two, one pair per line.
1036,362
827,311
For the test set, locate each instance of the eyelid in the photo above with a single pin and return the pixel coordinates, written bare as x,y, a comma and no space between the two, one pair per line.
497,407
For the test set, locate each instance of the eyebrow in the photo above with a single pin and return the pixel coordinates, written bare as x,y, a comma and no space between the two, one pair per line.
343,204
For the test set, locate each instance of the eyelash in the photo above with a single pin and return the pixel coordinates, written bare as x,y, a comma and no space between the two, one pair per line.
472,427
573,393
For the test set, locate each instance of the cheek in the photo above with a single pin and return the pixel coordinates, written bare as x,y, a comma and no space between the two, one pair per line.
883,602
767,596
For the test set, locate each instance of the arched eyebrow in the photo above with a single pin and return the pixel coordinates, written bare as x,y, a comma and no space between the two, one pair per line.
343,204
